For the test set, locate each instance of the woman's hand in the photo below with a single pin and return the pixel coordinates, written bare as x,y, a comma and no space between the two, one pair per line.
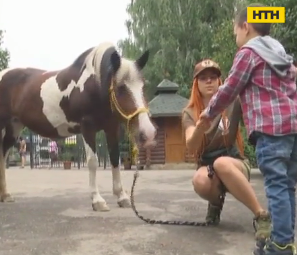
201,123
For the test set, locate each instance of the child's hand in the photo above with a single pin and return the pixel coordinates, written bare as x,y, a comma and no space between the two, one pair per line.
203,116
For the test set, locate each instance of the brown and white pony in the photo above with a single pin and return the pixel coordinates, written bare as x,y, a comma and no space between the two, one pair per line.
96,92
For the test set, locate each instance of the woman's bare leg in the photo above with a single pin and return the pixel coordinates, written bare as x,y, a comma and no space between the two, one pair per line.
229,170
210,190
206,188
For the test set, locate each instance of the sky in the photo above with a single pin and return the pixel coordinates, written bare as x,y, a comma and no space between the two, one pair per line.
51,34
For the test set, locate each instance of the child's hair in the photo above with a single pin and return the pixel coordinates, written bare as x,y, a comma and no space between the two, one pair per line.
261,28
196,104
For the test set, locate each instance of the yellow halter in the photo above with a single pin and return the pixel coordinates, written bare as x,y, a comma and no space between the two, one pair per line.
115,105
128,117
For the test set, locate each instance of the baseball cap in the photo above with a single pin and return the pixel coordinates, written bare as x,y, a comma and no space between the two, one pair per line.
207,64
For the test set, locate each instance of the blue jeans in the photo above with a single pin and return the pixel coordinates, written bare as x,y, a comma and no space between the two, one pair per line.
277,160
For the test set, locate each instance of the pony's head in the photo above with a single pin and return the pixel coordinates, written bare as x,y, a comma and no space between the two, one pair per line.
122,84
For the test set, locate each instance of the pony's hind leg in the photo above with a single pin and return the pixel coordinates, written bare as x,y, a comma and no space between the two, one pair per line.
6,142
98,202
3,188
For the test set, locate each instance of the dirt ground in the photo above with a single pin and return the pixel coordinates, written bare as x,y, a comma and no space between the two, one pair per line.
52,215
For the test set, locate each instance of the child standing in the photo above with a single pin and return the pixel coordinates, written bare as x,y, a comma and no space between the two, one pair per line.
264,77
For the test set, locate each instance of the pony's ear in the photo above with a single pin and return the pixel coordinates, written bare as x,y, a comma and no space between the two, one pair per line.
115,60
142,60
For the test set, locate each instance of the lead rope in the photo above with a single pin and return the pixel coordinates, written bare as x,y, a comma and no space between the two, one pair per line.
166,222
175,222
222,196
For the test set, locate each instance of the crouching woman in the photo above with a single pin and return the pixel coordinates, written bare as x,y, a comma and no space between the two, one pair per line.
219,148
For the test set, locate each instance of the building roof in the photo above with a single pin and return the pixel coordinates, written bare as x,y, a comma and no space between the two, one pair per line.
167,86
167,103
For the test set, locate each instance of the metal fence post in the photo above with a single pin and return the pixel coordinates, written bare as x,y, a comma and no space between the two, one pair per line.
32,146
78,146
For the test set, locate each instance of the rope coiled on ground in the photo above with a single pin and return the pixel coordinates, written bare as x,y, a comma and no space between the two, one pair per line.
163,222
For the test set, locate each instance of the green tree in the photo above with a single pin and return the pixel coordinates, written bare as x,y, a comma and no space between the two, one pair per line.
4,60
4,54
178,33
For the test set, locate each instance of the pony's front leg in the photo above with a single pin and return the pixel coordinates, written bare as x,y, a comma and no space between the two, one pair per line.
98,202
114,155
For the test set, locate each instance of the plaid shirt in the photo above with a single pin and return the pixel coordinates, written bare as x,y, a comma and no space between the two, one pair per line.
269,103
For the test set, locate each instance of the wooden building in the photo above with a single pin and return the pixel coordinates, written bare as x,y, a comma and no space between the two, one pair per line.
166,109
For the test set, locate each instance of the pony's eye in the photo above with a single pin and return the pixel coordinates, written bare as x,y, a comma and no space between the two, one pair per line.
121,89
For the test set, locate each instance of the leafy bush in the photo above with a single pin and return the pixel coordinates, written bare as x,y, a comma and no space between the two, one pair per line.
249,150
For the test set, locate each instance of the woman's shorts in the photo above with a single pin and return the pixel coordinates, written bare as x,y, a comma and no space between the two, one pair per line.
246,169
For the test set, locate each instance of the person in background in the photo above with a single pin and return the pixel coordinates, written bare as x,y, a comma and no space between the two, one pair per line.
53,152
22,151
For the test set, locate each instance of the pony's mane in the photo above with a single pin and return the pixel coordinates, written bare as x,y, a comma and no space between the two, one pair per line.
91,60
80,60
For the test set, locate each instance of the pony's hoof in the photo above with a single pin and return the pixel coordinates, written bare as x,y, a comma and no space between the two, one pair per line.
6,198
124,203
100,207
